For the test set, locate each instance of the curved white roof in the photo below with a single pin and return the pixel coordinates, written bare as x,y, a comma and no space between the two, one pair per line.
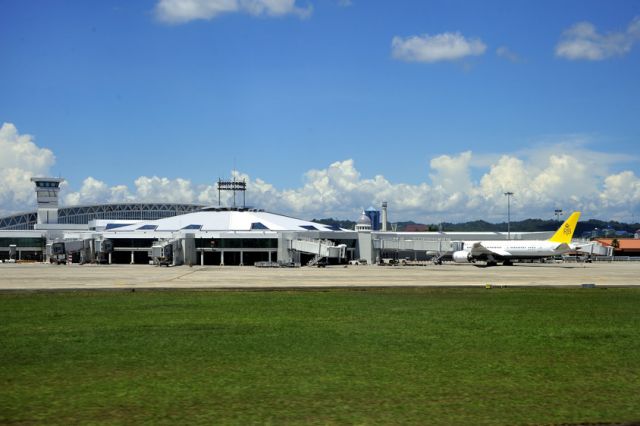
228,220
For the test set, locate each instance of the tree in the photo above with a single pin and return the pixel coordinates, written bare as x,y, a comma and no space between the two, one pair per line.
615,243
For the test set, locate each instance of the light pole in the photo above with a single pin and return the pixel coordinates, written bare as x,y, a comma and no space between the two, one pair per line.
508,194
558,213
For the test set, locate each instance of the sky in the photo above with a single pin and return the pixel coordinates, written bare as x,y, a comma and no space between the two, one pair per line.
326,106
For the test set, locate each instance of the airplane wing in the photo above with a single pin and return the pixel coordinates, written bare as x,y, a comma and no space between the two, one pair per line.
478,249
562,247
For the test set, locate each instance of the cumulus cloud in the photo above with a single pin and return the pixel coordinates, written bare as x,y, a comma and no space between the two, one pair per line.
452,173
340,190
183,11
163,189
508,174
20,159
434,48
583,41
551,175
94,191
151,189
621,190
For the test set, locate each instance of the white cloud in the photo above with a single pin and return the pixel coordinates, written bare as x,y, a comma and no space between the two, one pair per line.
583,41
20,159
21,152
560,180
275,8
565,174
163,189
565,177
147,189
94,191
439,47
621,190
452,173
182,11
508,174
506,53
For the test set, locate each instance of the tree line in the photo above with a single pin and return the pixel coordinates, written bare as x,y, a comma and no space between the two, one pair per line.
527,225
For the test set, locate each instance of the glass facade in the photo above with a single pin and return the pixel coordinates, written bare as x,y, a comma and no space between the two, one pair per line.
374,215
237,243
22,242
41,184
133,242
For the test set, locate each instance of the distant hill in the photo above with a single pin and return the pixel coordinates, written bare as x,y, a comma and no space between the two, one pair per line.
411,226
539,225
527,225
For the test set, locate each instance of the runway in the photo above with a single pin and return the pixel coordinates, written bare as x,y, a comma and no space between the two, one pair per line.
74,277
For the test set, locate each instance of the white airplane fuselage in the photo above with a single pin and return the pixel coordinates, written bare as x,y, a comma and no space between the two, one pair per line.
493,252
525,248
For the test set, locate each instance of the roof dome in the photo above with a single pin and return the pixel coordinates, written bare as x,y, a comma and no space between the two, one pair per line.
363,224
364,220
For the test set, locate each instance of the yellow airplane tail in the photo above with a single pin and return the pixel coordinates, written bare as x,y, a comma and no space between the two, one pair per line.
565,232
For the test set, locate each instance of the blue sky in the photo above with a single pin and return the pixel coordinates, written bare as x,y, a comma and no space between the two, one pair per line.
119,90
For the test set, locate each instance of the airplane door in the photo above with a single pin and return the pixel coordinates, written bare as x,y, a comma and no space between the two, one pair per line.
457,245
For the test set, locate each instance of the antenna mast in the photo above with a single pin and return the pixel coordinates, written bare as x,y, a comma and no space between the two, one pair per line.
234,186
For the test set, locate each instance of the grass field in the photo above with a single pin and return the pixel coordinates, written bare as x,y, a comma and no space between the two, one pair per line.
428,356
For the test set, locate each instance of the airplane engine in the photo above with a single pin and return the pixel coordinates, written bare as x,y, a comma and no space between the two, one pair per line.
462,257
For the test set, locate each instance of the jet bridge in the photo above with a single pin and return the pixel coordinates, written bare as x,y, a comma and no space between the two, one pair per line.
418,247
167,252
433,246
319,248
78,250
593,248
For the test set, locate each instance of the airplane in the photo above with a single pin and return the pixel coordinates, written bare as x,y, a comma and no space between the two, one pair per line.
509,251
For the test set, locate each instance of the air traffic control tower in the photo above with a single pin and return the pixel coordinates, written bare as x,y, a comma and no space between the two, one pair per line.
47,190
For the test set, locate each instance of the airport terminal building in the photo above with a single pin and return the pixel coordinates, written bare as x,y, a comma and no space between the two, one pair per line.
208,235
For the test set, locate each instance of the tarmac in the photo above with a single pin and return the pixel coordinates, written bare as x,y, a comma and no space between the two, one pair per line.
46,277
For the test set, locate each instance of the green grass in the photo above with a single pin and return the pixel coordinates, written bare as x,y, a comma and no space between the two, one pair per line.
428,356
